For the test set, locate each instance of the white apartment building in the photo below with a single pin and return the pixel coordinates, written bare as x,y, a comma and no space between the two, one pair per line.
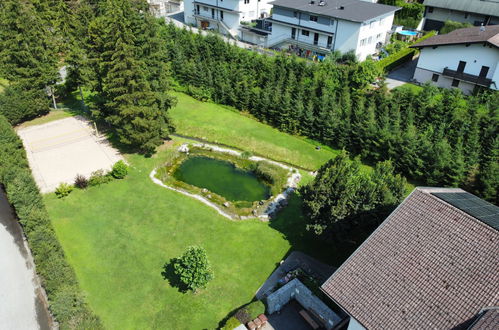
475,12
323,26
161,8
464,58
224,16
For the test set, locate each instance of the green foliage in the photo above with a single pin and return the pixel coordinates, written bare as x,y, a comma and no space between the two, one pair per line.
246,154
63,190
99,177
18,103
120,170
410,15
131,73
81,181
199,93
193,268
450,26
341,194
66,300
255,308
231,323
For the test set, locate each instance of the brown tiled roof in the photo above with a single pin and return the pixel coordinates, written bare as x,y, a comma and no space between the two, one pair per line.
464,36
488,320
428,266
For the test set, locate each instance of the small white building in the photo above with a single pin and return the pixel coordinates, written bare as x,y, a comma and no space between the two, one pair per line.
475,12
225,16
323,26
161,8
464,58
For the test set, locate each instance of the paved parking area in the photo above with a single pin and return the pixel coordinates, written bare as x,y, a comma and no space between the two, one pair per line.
59,150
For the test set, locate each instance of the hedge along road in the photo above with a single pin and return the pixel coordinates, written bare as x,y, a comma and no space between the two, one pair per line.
22,302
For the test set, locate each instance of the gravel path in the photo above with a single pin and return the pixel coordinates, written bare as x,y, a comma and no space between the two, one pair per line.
21,297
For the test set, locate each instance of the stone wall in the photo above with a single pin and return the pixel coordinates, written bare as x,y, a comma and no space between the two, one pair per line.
296,290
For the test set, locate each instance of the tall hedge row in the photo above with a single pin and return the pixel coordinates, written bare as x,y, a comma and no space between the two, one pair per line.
67,302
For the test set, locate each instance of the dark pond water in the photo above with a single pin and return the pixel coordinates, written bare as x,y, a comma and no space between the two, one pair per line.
222,178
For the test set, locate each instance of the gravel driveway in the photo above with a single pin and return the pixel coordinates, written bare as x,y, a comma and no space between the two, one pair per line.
21,299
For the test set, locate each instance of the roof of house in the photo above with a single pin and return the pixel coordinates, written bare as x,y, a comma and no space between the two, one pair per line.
430,265
490,35
350,10
485,7
488,319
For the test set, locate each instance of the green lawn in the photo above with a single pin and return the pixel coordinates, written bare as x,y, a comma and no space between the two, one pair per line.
410,87
223,125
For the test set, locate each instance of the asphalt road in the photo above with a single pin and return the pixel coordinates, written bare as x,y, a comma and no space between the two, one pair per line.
21,300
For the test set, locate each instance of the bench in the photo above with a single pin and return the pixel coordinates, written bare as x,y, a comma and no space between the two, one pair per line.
309,319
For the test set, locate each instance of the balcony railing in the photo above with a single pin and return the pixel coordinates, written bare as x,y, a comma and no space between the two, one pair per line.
482,81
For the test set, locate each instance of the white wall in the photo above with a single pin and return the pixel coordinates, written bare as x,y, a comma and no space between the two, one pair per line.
372,32
442,15
475,56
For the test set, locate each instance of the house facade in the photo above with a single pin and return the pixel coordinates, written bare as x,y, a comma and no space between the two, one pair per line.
432,264
475,12
161,8
322,26
464,58
225,16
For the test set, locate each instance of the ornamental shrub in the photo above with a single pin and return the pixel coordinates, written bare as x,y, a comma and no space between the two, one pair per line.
81,181
255,308
63,190
99,177
120,170
231,323
193,268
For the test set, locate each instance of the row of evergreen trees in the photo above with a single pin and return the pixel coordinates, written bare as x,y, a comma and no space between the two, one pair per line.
436,137
112,46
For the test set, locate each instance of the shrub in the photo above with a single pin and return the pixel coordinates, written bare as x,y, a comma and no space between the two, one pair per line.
99,177
255,308
58,278
231,323
199,93
63,190
81,182
246,154
120,170
193,268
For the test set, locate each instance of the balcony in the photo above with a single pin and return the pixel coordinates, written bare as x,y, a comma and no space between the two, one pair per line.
482,81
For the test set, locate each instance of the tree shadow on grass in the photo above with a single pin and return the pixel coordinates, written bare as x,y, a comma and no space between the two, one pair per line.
173,279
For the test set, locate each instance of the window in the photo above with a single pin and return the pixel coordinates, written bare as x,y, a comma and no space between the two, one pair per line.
371,25
430,9
435,77
329,41
313,18
363,42
305,33
370,40
455,83
466,15
221,15
246,2
295,14
378,36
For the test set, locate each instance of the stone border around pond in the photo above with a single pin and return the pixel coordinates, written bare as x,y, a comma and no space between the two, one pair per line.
275,204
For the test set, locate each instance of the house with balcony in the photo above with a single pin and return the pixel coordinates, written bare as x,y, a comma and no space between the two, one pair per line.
324,26
225,16
465,58
475,12
432,264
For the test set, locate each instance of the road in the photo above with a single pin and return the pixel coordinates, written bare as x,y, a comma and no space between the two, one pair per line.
21,299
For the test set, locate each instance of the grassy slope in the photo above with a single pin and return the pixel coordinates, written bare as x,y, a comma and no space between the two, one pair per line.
118,236
216,123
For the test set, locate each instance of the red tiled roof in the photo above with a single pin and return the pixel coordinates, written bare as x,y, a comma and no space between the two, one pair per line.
428,266
464,36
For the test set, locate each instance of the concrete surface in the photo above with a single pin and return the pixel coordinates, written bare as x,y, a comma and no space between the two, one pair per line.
59,150
294,260
22,302
401,75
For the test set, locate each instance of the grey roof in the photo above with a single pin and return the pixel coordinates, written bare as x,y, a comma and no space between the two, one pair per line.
485,7
464,36
474,206
350,10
